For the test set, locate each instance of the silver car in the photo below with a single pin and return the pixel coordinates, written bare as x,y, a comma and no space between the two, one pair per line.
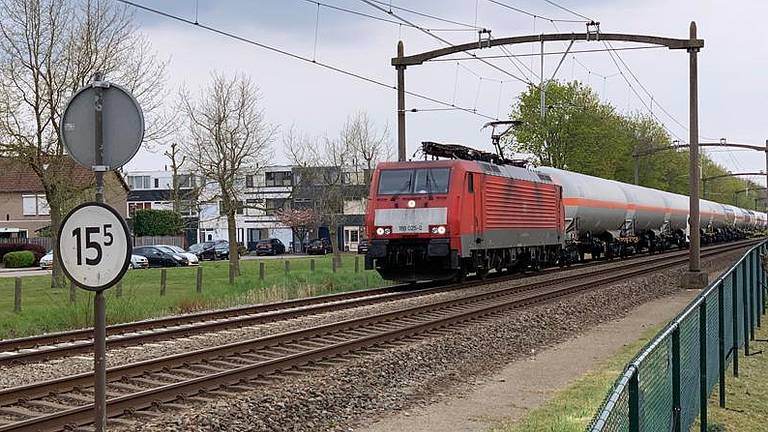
191,258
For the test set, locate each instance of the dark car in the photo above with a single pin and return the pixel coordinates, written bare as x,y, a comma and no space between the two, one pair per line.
160,258
319,247
270,247
362,247
218,249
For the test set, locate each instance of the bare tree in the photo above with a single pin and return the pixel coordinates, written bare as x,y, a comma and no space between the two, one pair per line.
227,136
48,50
368,145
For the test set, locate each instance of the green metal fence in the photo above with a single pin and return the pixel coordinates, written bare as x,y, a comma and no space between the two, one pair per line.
667,385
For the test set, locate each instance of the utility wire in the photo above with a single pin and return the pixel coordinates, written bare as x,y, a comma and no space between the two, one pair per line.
531,14
300,57
421,14
365,15
569,10
373,4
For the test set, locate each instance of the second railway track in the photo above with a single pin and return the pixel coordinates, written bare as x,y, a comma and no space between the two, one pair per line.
79,341
170,380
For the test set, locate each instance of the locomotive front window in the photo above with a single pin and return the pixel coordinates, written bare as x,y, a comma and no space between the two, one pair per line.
393,182
419,181
430,181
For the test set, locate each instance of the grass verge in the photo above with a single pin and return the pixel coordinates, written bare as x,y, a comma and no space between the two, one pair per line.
45,309
572,408
746,397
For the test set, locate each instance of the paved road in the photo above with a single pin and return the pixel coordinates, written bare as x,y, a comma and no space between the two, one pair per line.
23,272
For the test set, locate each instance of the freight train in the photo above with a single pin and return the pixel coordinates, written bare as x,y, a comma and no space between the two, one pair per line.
476,212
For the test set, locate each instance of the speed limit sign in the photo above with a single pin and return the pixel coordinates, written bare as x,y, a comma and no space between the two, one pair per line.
94,246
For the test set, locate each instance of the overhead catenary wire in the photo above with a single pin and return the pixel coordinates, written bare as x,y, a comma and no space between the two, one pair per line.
373,4
295,56
572,12
534,15
422,14
387,20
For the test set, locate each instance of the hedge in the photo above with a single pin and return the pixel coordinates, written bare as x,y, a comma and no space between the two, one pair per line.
37,250
156,223
19,259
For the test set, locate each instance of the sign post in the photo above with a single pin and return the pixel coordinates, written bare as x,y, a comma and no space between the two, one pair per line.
94,244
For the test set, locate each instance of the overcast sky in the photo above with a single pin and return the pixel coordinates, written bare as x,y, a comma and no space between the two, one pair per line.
732,65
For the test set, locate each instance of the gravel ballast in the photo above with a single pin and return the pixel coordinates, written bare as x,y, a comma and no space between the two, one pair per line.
352,394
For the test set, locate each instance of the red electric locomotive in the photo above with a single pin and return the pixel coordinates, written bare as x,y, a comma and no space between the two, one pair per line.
443,219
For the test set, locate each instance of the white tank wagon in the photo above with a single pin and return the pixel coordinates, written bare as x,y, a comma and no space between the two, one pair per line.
614,218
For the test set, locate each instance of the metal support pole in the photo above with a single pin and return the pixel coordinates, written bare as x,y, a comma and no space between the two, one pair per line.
542,89
400,105
695,278
735,320
634,402
745,303
721,340
703,393
99,301
676,406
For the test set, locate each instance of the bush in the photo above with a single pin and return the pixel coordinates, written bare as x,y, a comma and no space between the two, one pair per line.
156,223
19,259
37,250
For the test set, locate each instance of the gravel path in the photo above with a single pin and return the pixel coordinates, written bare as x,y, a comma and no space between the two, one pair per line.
15,375
350,395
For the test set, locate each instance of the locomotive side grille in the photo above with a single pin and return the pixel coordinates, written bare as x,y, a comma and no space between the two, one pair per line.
520,204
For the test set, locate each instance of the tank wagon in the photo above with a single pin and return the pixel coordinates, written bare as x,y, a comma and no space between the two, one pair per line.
441,219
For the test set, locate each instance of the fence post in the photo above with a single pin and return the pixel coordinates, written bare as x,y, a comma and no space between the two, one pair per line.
676,408
17,295
163,281
756,286
312,264
261,271
357,264
333,263
703,394
72,291
287,267
199,280
634,401
721,340
745,303
735,319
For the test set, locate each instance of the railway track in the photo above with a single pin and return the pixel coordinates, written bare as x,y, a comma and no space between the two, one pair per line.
79,341
223,370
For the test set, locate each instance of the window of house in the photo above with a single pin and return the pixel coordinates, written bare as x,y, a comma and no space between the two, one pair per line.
278,178
186,181
139,182
274,204
34,205
157,183
249,181
133,206
240,207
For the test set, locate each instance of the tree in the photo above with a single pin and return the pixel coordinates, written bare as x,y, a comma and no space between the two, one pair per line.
300,220
48,50
368,145
226,136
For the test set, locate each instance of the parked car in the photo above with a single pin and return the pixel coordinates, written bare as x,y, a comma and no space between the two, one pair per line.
191,258
271,246
319,247
218,249
139,262
159,258
362,247
46,262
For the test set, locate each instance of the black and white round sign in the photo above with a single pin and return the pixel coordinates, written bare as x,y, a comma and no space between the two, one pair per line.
94,246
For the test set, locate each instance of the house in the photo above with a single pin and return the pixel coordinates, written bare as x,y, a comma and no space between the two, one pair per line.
153,189
24,210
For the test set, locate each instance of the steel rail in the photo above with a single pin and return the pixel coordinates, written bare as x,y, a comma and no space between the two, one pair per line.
333,340
34,348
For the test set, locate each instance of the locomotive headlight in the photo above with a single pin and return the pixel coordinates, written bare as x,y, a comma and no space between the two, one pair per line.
438,229
387,231
380,231
441,230
411,204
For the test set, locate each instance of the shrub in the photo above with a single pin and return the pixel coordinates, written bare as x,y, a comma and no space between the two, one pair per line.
19,259
156,223
37,250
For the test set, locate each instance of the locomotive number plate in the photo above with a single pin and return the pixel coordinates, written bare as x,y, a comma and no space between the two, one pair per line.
410,228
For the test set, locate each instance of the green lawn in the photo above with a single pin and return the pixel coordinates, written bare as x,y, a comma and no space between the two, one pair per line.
746,397
45,309
572,409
